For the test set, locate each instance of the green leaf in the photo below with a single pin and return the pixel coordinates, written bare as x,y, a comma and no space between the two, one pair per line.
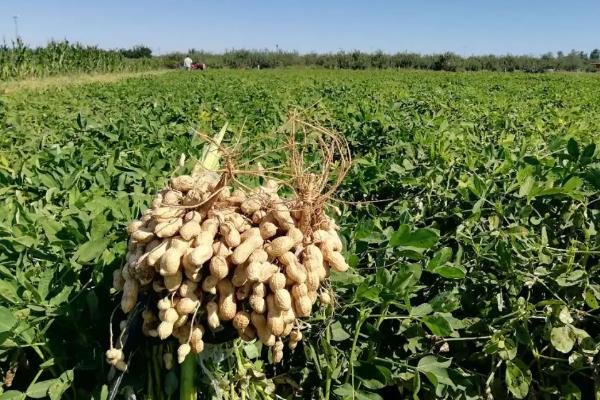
517,378
61,384
451,271
435,369
48,363
570,278
97,205
591,297
373,376
579,334
362,395
100,226
50,228
7,320
26,331
346,390
438,325
252,350
367,233
44,282
507,349
12,395
526,186
353,260
588,151
26,241
39,390
593,177
8,291
416,384
406,277
91,250
399,236
366,292
61,297
531,160
445,302
562,339
338,333
565,316
104,392
573,183
422,238
421,310
573,148
440,258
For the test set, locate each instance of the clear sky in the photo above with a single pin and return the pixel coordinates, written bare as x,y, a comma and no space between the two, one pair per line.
463,26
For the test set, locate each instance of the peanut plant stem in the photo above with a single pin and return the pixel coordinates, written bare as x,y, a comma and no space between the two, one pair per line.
327,383
187,386
361,319
328,367
382,316
149,389
157,360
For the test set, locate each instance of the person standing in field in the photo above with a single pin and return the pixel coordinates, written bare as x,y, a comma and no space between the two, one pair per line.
187,63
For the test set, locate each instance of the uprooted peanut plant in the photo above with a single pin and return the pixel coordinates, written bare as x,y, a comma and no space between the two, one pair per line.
212,251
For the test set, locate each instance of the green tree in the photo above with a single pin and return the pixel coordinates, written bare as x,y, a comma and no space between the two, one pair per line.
138,51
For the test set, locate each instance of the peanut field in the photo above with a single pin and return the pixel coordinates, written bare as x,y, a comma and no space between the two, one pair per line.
468,218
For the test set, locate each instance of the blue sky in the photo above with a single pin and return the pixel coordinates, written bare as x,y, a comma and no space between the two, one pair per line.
465,27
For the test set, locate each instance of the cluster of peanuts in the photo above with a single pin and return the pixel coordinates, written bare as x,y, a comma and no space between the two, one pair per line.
241,259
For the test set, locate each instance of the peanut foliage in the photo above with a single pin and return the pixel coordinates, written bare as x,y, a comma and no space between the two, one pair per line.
470,230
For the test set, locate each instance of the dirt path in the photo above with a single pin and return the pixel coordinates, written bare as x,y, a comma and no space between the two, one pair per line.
67,80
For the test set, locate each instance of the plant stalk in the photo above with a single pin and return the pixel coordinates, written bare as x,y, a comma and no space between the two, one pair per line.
187,387
361,319
210,160
328,367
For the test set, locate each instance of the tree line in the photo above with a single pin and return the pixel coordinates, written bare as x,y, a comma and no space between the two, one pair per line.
572,61
18,60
